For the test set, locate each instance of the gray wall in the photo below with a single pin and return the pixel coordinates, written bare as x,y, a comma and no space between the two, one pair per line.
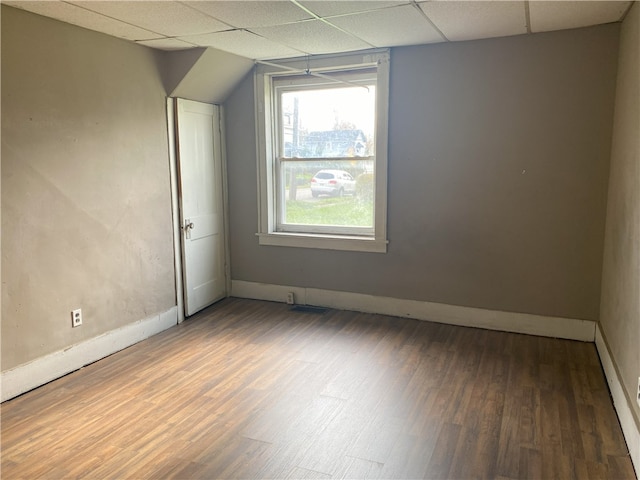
498,165
86,210
620,310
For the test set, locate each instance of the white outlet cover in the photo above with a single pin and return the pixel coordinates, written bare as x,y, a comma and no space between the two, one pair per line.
76,317
638,393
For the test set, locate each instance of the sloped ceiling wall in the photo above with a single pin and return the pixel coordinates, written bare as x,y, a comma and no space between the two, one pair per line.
204,74
177,64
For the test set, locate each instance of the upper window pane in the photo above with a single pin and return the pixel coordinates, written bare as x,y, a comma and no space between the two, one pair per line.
337,122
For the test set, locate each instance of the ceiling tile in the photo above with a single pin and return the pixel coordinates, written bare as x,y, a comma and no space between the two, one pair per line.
168,18
312,36
323,8
390,27
477,19
546,16
252,13
81,17
167,44
243,43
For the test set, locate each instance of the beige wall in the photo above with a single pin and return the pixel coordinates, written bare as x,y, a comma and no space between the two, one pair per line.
498,164
620,310
86,212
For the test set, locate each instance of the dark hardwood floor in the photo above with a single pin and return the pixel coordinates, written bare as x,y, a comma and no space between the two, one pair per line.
251,389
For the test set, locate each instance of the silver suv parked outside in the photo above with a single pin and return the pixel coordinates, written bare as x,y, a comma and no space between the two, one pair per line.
333,182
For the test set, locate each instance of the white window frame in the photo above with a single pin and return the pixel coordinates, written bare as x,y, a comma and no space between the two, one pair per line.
267,145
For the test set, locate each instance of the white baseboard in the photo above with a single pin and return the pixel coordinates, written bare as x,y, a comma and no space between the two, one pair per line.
620,400
557,327
26,377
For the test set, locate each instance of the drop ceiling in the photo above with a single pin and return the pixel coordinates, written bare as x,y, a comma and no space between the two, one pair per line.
289,28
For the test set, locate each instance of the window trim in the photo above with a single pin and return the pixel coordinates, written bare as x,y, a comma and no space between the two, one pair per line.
267,142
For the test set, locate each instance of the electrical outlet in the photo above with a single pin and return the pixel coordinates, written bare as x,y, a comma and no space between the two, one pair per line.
638,393
290,298
76,317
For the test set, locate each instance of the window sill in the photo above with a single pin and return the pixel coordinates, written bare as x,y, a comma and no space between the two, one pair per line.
326,242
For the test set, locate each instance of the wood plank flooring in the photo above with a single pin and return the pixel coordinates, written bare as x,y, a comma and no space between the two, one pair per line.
251,389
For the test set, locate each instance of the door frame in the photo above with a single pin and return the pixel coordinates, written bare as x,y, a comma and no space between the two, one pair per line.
220,149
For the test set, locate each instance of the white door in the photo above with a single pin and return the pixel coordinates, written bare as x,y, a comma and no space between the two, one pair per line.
201,206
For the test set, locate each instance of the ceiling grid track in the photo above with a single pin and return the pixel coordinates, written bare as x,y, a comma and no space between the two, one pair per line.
527,15
426,17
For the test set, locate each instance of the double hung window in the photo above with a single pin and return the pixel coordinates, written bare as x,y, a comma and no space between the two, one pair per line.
322,142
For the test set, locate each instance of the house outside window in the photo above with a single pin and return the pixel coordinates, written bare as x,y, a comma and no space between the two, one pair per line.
322,150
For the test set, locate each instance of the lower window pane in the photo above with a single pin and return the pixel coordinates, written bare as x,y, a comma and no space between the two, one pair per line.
327,193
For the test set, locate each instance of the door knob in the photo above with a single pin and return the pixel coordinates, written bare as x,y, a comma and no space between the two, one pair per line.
188,226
